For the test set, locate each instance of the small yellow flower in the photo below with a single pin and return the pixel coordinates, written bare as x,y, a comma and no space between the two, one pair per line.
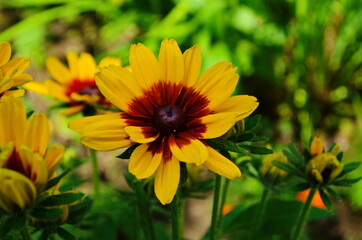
270,171
16,191
11,72
324,168
168,109
24,143
74,85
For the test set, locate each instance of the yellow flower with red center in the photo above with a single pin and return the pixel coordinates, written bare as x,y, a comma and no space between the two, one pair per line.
75,85
169,110
25,156
11,72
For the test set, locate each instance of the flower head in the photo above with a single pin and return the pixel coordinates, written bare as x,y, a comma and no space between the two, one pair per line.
270,171
24,145
316,201
75,85
168,109
323,167
11,72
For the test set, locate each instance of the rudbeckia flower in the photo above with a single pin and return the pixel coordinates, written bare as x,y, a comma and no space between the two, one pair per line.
24,148
75,86
169,110
11,72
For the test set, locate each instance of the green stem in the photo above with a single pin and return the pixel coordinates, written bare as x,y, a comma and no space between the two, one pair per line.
143,206
303,215
259,212
25,234
176,217
95,173
223,200
215,208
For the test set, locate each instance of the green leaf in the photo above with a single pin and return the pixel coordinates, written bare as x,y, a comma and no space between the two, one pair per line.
241,137
183,173
28,114
61,199
259,139
325,198
64,234
299,187
12,223
349,167
44,235
49,214
55,181
288,168
258,150
127,154
251,122
346,182
77,211
297,155
331,147
340,156
71,185
334,194
223,144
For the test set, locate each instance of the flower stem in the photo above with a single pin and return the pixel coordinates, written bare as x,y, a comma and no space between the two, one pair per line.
95,173
215,209
303,215
176,217
259,212
25,234
143,206
223,199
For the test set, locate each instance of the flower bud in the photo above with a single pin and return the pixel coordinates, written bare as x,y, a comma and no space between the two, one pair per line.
324,168
16,191
316,147
270,171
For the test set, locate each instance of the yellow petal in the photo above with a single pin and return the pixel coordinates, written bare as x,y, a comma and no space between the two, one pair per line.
36,135
5,83
87,66
106,135
141,134
36,87
15,93
143,163
221,165
188,150
15,67
167,179
12,121
217,124
52,158
316,147
5,153
80,124
171,62
109,61
21,79
72,110
73,65
220,76
243,105
5,53
144,65
57,70
118,86
192,60
56,90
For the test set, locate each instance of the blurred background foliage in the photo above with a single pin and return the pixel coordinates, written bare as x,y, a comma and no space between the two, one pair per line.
302,59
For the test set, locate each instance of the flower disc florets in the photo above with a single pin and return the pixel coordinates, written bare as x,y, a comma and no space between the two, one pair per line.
168,119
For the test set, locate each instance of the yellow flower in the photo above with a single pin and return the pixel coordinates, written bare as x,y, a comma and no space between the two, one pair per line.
24,143
74,85
16,191
316,147
11,72
324,168
270,171
168,109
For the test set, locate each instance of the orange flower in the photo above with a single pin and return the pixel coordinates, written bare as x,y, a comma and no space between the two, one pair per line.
316,202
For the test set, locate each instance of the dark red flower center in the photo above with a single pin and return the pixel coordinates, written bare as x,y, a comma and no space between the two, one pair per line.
85,87
168,119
